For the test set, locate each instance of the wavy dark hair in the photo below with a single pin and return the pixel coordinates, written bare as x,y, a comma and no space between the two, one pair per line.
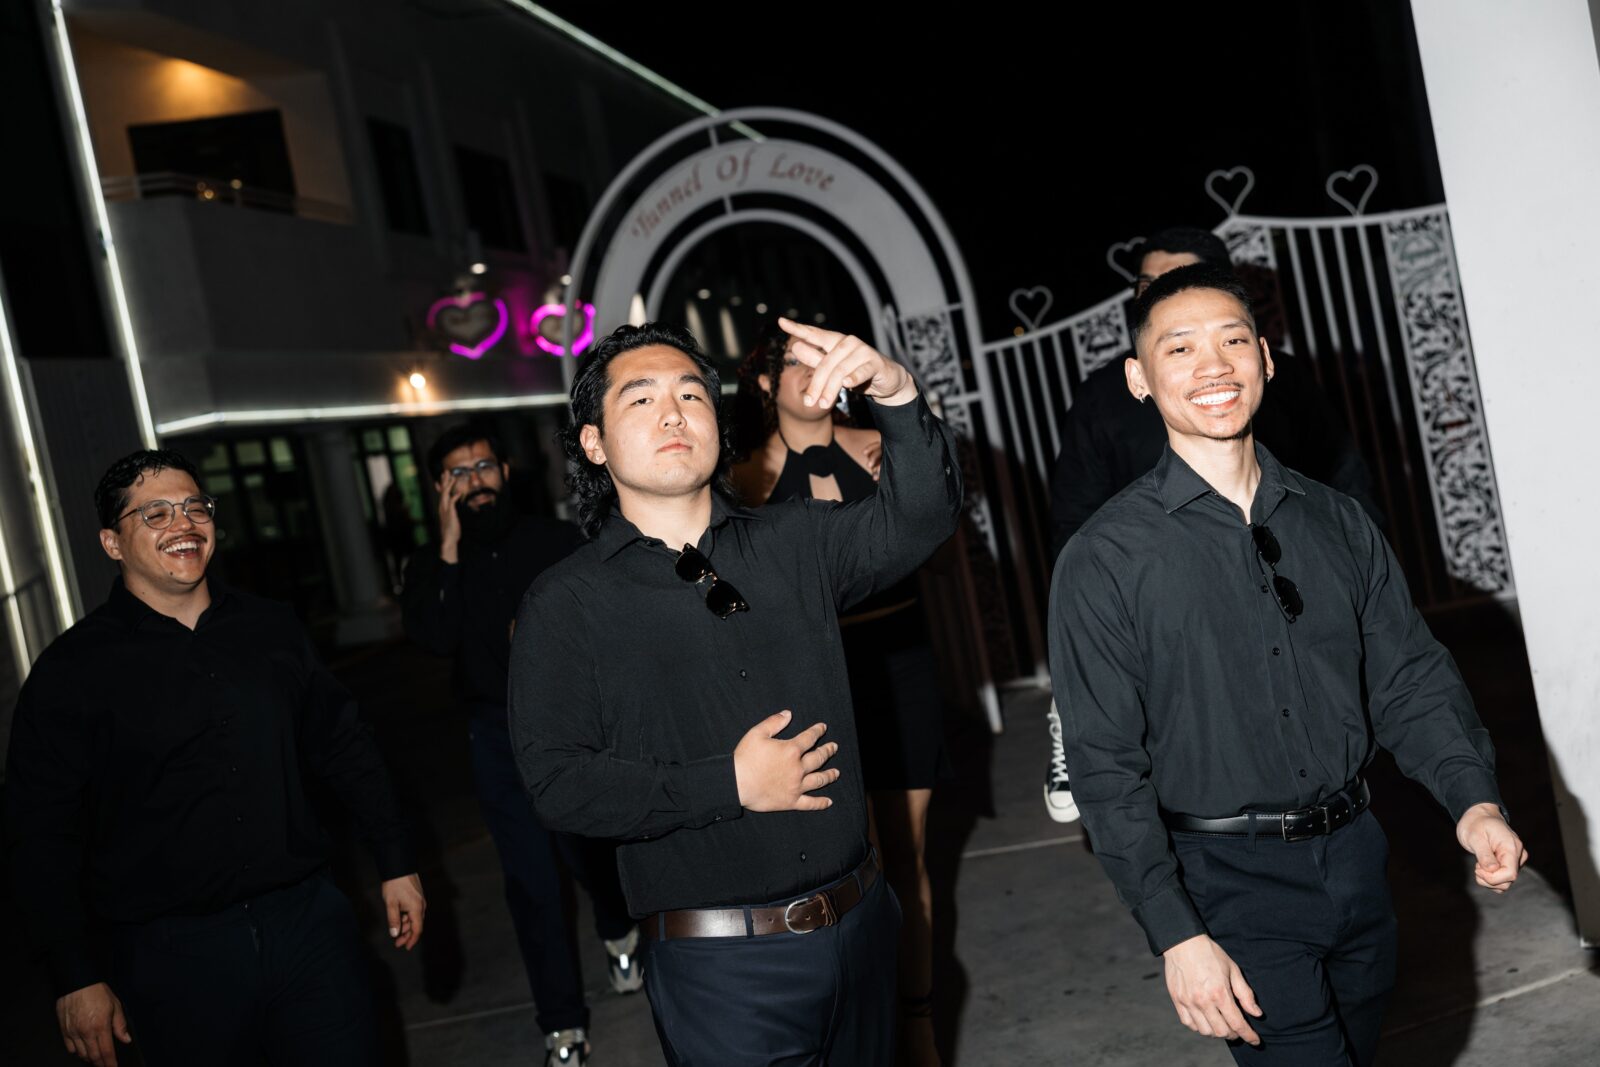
590,483
111,495
755,412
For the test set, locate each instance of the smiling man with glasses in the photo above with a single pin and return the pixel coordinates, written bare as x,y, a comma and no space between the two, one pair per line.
1227,639
163,850
672,682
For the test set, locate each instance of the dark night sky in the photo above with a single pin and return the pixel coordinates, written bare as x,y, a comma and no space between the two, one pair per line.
1044,137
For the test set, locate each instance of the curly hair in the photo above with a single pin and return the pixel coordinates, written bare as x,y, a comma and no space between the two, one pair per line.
590,483
111,495
755,415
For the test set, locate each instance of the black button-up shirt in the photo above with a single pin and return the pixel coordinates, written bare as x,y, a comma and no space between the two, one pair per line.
464,609
1183,686
628,695
156,770
1108,439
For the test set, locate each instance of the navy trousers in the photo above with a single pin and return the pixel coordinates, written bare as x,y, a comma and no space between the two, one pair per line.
821,999
279,979
533,880
1311,926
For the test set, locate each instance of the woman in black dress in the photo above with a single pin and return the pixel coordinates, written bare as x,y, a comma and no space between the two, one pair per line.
800,452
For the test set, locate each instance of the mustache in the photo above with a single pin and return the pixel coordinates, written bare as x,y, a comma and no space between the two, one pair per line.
1212,387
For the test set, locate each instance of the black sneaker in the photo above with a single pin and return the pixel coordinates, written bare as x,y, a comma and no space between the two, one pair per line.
1057,790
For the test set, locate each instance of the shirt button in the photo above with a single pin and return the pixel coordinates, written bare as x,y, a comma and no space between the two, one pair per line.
238,818
1285,713
716,818
1274,650
1263,587
744,673
1302,772
802,855
235,770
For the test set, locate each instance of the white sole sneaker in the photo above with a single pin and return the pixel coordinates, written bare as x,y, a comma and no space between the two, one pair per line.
1057,791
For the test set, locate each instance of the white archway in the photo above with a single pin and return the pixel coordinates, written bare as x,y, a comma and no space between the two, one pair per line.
777,165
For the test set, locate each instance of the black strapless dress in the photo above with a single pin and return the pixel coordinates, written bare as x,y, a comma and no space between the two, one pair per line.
893,671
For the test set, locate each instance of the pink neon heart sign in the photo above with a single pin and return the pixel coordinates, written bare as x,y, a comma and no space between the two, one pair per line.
584,339
470,315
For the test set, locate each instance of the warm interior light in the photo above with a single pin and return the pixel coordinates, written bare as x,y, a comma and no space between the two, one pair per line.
479,268
418,381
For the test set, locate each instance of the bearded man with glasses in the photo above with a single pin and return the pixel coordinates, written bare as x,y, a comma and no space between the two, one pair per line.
673,679
162,847
1227,639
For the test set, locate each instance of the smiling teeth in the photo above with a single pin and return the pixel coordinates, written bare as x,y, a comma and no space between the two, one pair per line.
1212,399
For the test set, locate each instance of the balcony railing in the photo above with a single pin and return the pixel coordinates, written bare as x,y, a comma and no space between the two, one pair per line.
232,193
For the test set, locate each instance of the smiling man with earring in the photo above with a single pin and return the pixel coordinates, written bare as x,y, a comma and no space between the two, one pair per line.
672,682
1229,642
163,850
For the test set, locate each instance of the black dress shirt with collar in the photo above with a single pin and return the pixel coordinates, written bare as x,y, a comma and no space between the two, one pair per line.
1108,439
156,770
628,696
1184,686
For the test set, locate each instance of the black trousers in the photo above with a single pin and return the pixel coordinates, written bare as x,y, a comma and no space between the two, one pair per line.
279,979
822,999
533,881
1311,926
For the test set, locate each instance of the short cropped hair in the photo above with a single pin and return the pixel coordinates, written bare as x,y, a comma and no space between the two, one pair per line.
111,495
1183,279
1203,244
463,433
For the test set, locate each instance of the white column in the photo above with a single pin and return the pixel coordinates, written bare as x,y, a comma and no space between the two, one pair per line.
1514,89
366,613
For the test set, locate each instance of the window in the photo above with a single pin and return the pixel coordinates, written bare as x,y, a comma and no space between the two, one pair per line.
247,152
569,208
490,199
396,164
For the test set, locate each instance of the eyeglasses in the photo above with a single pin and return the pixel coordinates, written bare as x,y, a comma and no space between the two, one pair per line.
158,514
721,597
480,468
1283,589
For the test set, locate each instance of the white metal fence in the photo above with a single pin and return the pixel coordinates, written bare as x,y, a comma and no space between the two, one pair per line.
1372,302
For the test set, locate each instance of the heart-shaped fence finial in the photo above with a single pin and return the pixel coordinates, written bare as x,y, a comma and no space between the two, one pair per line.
1031,305
1360,181
1229,187
1119,259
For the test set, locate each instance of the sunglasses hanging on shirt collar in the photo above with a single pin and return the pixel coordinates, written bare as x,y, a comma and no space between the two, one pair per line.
1287,594
721,597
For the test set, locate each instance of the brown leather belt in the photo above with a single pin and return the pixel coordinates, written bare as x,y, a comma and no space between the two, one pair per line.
825,907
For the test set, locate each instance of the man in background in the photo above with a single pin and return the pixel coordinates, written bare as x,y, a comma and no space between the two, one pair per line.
460,599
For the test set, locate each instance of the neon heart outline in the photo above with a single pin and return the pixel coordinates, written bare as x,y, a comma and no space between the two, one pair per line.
579,343
1349,175
463,302
1230,206
1123,246
1031,321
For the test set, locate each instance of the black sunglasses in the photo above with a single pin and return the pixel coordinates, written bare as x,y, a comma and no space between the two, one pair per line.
721,597
1268,549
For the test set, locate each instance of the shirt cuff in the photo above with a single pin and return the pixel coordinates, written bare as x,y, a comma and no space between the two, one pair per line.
903,420
1469,788
711,789
394,858
72,968
1169,918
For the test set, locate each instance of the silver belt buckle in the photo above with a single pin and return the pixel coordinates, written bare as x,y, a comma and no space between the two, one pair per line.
830,916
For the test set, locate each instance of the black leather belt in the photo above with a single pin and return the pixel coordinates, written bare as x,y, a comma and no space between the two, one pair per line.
1297,825
823,908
